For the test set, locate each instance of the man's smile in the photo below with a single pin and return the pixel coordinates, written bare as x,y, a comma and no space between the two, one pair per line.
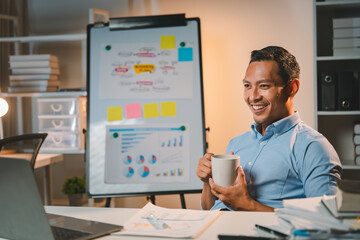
258,107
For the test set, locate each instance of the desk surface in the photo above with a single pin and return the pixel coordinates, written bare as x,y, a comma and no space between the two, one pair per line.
42,159
228,223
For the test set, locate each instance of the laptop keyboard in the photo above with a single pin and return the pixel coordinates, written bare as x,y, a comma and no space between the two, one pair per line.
67,234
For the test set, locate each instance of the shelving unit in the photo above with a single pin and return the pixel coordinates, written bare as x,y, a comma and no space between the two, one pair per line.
25,105
337,126
35,95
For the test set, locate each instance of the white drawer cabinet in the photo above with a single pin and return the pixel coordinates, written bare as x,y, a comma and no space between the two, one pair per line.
60,123
62,141
64,120
57,106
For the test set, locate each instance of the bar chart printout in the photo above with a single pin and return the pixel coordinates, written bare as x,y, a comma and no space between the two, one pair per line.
147,153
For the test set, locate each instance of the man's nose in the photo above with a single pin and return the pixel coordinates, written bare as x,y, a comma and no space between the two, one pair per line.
254,94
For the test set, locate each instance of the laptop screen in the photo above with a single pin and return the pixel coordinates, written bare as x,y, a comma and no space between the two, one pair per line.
22,211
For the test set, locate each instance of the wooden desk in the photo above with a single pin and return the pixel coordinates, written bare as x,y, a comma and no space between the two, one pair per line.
43,160
228,223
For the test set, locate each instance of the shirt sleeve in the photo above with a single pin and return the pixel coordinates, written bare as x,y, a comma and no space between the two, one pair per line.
321,167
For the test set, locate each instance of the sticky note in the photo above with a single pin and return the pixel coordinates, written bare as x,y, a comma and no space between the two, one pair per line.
167,42
114,114
151,110
185,54
168,109
141,68
133,110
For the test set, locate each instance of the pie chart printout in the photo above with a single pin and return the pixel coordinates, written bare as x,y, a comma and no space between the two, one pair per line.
128,172
144,172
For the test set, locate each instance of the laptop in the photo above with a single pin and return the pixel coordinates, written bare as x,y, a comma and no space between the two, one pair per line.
22,214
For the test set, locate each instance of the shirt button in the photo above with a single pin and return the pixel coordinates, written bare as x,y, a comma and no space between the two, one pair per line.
276,134
250,163
261,143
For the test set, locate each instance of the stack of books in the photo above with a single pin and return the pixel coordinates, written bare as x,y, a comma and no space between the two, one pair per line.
357,143
34,73
346,41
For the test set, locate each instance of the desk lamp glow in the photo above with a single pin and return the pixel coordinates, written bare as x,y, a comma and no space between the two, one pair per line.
4,107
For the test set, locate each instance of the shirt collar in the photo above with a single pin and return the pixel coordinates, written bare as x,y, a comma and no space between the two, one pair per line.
279,127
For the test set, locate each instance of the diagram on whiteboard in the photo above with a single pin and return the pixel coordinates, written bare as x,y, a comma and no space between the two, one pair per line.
147,153
145,70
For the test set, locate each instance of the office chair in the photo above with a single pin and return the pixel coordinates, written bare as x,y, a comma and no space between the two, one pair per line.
27,146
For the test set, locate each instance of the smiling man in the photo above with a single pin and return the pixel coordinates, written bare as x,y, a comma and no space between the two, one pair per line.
280,157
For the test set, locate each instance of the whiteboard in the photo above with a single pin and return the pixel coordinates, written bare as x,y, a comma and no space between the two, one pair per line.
146,129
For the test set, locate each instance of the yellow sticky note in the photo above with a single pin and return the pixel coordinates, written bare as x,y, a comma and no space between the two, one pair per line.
168,109
167,42
151,110
114,114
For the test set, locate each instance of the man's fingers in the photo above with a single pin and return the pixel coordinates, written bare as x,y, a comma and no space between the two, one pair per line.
241,173
213,187
204,174
240,178
208,155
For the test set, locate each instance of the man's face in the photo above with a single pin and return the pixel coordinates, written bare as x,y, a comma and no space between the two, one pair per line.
264,93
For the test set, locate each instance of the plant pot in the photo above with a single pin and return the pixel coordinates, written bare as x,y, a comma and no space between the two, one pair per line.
75,199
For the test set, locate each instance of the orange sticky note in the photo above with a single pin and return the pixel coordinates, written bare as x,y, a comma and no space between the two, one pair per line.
168,109
141,68
114,114
151,110
167,42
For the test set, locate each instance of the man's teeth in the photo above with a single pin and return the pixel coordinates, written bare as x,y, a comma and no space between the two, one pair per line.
258,107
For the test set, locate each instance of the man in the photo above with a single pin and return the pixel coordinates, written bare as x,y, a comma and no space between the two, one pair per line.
280,157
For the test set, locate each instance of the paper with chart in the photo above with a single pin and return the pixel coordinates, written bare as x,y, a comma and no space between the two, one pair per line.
145,71
150,153
181,223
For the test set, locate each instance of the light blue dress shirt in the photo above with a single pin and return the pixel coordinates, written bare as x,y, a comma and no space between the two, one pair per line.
291,160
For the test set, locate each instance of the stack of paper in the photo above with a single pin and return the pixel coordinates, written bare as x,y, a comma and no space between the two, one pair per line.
310,218
310,213
346,41
34,73
174,223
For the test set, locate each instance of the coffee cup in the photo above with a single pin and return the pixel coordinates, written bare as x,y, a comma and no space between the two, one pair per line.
224,169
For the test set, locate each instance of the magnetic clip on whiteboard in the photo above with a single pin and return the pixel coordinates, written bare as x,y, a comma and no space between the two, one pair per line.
147,22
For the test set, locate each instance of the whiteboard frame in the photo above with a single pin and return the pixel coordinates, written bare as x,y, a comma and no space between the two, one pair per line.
89,130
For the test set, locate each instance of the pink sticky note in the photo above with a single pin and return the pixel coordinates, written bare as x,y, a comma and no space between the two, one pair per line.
133,110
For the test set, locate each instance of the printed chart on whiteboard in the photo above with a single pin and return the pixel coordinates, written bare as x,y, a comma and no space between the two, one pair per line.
147,153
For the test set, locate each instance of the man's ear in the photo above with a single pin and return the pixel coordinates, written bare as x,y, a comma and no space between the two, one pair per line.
294,87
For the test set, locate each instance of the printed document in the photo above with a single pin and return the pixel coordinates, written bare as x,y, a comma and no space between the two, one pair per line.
176,223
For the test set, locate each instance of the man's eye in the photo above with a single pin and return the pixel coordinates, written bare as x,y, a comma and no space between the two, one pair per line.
246,85
264,86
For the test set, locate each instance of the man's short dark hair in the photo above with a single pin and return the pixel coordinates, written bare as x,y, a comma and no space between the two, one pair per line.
288,66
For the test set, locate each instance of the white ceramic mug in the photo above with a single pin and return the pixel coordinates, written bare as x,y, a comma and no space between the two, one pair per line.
224,169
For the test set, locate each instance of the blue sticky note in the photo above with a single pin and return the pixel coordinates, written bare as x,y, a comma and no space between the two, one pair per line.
185,54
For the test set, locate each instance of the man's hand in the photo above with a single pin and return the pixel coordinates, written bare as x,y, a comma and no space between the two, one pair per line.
237,196
203,170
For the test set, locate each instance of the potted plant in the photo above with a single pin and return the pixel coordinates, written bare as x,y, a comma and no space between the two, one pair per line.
74,187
